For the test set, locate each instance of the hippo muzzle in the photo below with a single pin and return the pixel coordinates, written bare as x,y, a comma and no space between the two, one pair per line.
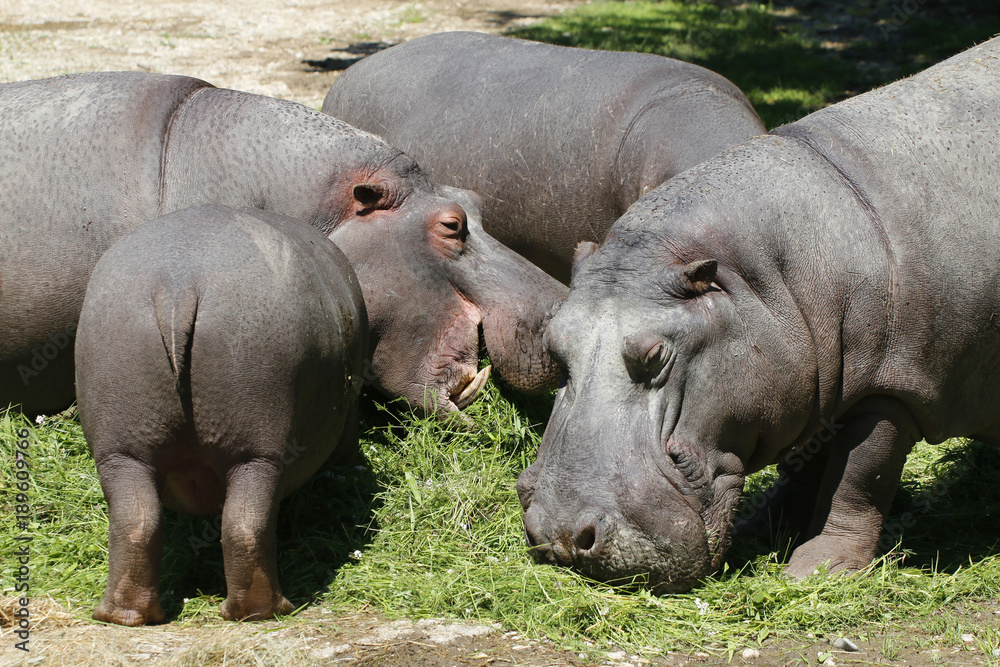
625,512
609,545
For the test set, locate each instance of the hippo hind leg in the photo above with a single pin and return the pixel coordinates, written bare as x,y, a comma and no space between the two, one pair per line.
135,543
249,543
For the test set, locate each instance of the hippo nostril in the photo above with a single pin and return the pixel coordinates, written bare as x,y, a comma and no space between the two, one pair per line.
586,538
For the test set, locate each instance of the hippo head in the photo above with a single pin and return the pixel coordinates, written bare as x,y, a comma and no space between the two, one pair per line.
667,402
433,282
430,276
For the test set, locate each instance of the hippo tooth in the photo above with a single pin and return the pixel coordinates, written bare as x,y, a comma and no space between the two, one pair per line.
472,389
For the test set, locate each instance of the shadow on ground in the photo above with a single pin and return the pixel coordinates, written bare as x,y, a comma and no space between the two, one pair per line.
321,526
346,57
791,57
940,520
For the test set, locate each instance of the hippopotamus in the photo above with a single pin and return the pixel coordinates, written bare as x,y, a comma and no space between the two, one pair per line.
240,409
558,141
820,297
86,158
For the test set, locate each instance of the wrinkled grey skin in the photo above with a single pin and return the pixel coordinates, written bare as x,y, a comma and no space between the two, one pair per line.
264,328
558,141
86,158
834,282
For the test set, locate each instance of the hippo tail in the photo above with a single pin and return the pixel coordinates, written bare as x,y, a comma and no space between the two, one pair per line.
176,311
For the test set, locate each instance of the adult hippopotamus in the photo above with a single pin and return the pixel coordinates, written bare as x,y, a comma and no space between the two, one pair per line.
239,411
822,297
558,141
86,158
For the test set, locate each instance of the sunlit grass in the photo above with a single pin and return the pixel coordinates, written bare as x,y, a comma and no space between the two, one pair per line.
783,71
432,528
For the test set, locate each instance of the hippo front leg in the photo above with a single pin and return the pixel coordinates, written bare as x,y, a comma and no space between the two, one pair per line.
862,475
249,543
135,543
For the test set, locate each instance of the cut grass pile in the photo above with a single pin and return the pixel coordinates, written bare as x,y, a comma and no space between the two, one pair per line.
432,528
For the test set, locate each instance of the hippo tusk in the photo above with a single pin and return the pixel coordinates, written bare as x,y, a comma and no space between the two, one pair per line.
472,389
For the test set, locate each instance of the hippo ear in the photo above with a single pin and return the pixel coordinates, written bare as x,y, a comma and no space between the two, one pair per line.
584,249
369,195
689,280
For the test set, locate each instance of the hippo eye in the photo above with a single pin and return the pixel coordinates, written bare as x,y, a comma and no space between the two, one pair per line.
646,356
455,229
449,231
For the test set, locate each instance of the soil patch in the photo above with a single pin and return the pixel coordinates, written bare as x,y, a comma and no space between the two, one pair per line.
293,49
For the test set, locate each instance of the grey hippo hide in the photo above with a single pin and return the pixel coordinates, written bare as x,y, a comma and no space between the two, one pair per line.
86,158
264,328
558,141
821,297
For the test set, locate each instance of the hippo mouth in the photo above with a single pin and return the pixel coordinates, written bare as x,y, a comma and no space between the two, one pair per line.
463,396
611,547
664,534
455,372
662,566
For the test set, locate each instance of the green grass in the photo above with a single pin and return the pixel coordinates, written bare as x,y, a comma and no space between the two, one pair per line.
432,527
785,69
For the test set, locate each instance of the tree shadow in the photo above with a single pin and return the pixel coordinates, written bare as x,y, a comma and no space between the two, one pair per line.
790,57
504,18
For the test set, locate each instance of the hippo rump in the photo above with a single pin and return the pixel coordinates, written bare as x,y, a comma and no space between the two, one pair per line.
820,297
240,410
86,158
558,141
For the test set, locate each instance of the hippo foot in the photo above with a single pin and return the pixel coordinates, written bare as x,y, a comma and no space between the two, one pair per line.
245,608
837,554
150,614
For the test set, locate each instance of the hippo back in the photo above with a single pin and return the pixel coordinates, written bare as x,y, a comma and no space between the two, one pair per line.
219,358
80,167
265,330
558,141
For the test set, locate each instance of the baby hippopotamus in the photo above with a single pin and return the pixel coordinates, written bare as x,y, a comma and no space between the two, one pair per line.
218,361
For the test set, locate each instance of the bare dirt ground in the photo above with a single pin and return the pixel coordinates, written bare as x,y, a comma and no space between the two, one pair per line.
292,49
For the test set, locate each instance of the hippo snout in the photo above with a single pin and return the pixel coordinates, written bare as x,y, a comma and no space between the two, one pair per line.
526,485
574,548
605,543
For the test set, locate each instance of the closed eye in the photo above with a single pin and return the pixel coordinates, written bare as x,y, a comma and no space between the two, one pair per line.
454,227
661,377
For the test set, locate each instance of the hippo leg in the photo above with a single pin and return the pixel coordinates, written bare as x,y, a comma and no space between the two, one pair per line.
135,543
249,543
859,484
